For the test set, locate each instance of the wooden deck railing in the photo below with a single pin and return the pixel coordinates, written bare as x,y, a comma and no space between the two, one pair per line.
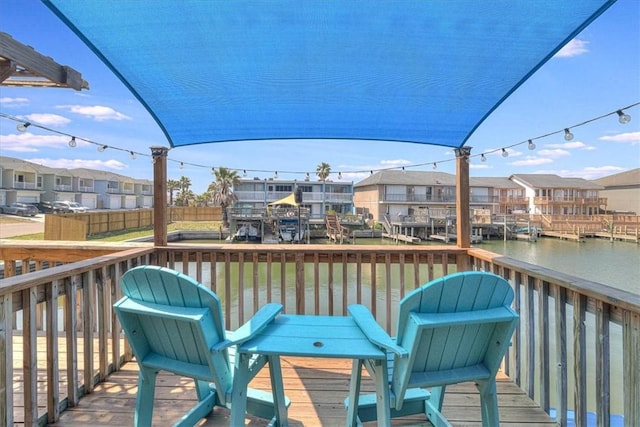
319,279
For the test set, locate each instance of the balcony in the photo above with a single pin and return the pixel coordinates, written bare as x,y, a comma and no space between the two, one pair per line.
570,333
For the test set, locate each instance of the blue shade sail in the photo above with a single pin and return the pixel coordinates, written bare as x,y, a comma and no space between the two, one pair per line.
424,71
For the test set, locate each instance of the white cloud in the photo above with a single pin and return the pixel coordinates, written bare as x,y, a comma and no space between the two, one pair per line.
480,166
48,119
29,143
395,163
575,47
13,102
533,161
98,113
588,173
81,163
554,154
573,145
631,137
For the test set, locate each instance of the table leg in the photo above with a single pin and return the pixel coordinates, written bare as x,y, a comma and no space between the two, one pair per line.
382,392
354,393
277,388
240,385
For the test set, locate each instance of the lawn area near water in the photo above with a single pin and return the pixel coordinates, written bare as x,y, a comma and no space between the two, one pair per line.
128,234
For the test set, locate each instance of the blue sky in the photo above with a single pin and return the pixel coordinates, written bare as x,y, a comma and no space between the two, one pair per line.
596,73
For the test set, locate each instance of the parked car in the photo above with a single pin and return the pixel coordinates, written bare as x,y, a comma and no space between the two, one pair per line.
20,209
49,207
66,207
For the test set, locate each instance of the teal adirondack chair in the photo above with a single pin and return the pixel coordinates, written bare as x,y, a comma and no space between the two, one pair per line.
453,329
175,324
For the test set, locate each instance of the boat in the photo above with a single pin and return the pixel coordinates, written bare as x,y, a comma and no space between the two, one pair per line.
247,232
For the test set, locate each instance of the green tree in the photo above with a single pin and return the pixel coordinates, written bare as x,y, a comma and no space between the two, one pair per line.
221,190
184,192
323,171
172,186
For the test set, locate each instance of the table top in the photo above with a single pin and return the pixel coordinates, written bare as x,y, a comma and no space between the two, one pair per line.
313,336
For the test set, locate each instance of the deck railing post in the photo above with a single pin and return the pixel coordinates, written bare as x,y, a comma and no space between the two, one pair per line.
6,360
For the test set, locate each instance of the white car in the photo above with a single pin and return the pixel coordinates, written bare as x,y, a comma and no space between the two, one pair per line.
74,207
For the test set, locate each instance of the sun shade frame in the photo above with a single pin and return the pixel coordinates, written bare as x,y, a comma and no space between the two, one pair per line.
405,70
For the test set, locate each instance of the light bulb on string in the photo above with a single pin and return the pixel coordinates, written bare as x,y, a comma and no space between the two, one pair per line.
213,171
568,136
306,178
532,146
244,173
133,155
101,148
181,165
275,175
505,153
72,142
22,127
435,166
623,118
339,175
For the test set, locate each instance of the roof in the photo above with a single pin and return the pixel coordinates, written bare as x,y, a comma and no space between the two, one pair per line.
12,163
396,177
554,181
409,70
627,178
494,182
21,65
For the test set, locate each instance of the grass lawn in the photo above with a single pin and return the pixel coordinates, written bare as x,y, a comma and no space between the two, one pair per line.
123,235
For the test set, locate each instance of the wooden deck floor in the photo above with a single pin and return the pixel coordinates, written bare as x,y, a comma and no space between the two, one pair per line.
316,388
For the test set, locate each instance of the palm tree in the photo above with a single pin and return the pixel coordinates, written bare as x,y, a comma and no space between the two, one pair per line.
323,171
184,193
172,186
222,190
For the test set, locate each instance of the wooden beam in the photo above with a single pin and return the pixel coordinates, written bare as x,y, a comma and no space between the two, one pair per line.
159,155
462,197
39,65
7,68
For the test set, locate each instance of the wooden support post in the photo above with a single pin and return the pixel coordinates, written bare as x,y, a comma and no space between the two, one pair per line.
159,155
462,197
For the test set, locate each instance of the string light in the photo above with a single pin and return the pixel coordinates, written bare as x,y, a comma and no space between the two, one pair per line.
568,136
213,171
22,127
623,118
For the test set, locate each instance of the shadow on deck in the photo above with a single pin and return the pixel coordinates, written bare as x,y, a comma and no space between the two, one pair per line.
316,387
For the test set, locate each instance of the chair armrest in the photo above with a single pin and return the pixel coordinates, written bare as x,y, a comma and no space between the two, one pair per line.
370,328
257,323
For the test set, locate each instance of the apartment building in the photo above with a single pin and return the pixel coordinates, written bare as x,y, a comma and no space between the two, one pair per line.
317,196
550,194
28,182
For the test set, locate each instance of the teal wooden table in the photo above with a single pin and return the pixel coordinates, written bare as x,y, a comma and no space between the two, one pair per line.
313,336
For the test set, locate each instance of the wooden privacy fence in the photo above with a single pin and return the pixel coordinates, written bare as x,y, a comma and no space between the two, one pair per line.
77,226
